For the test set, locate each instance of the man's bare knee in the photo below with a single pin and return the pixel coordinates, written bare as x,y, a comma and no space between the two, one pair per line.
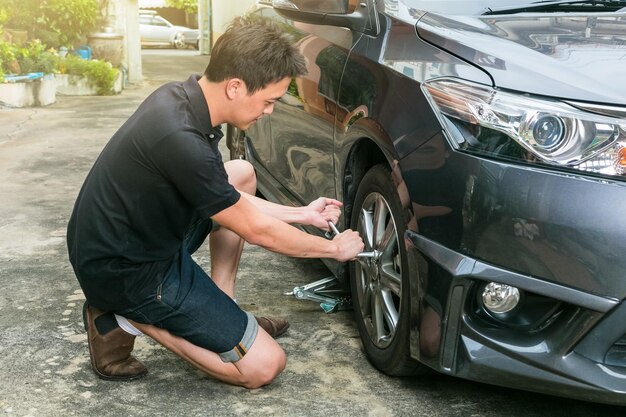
265,374
241,175
263,363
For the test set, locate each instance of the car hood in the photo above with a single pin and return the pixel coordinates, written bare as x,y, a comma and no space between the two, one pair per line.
575,57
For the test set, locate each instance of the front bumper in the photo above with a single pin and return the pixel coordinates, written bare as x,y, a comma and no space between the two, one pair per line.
577,354
557,236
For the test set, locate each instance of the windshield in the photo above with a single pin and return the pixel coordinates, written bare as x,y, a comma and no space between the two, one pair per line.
477,7
583,6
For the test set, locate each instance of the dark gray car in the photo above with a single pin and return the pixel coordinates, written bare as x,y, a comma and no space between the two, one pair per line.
479,148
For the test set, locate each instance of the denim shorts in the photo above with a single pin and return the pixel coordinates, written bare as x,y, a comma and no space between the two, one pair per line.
187,303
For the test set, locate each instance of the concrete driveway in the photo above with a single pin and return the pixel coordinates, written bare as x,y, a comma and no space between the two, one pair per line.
45,154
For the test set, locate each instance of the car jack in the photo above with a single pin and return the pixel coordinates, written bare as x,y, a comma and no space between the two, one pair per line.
326,292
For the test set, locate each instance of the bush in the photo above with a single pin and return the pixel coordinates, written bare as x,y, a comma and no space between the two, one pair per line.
99,74
4,15
21,60
54,22
71,19
189,6
35,58
7,58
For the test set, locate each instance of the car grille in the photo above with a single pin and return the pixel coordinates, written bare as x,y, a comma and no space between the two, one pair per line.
616,356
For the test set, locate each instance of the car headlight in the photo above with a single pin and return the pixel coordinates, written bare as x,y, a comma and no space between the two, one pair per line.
532,129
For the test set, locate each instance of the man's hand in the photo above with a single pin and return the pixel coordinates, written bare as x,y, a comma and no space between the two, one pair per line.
323,210
350,244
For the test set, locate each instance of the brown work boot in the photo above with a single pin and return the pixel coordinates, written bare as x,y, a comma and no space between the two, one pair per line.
274,326
110,347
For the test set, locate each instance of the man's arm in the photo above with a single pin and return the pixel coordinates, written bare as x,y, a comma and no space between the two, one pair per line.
270,232
317,214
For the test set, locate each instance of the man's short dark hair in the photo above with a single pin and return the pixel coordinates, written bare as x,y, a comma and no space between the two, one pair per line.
256,51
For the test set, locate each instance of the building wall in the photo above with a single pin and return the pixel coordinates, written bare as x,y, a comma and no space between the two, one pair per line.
123,16
133,42
225,11
122,19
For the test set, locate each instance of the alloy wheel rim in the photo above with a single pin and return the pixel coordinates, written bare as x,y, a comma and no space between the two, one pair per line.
379,278
179,40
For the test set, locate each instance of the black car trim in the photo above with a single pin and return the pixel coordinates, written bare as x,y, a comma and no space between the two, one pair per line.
464,266
585,6
453,328
611,329
363,19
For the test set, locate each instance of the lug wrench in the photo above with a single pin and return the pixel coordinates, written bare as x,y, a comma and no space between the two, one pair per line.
335,231
321,290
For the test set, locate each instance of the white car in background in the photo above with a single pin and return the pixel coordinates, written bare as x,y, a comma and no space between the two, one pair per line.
156,30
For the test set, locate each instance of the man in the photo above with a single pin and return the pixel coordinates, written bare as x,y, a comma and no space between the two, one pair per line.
154,194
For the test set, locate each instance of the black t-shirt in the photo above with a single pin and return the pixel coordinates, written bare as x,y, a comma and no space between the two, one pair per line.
160,170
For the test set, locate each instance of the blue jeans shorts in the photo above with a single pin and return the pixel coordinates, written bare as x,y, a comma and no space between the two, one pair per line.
187,303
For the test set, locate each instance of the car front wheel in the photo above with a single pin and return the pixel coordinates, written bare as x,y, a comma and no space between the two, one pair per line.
379,283
179,41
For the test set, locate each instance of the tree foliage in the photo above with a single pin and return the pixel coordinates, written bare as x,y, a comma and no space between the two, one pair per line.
54,22
190,6
71,19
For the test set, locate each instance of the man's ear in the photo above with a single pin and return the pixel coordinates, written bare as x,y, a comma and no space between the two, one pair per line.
235,87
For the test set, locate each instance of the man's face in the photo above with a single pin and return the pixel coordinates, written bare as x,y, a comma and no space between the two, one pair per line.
250,108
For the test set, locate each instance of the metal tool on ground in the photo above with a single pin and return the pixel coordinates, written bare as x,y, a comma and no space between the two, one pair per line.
326,291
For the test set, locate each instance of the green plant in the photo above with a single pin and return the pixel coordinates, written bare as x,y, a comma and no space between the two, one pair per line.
54,22
35,58
4,15
21,60
99,74
190,6
8,62
71,19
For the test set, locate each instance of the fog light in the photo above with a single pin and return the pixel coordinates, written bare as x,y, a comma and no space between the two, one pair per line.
500,298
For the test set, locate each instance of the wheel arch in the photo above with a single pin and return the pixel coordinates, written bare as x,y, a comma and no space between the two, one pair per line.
371,146
368,145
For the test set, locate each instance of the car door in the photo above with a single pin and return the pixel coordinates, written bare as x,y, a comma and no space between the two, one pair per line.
303,120
302,124
157,29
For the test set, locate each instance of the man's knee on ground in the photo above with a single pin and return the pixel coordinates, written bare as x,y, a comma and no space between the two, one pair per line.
264,373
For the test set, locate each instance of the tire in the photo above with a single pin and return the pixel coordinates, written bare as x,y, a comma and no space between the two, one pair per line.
179,41
380,285
235,142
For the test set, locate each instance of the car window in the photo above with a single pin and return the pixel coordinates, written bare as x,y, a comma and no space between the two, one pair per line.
159,21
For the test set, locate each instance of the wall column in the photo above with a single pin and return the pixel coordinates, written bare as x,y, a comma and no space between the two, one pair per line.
123,18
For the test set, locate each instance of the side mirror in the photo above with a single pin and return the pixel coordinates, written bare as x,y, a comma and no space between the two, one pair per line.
315,6
359,16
